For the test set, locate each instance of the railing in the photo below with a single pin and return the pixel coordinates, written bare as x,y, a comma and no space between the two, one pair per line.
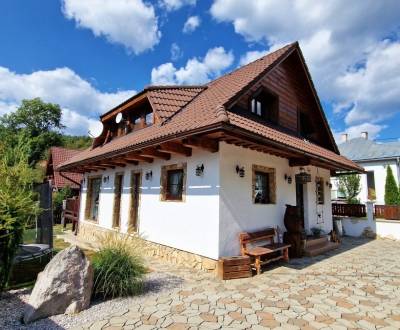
349,210
388,212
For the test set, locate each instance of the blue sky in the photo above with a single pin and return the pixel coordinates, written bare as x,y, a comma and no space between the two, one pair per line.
90,55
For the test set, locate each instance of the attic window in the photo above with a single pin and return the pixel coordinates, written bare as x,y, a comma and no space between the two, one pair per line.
265,105
305,127
149,119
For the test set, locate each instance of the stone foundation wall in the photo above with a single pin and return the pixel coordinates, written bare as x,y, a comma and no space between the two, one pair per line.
91,232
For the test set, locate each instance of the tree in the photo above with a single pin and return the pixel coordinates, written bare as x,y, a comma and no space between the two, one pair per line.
38,122
18,205
391,189
350,187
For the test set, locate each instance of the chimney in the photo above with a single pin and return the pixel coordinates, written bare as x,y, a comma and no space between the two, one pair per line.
344,137
364,135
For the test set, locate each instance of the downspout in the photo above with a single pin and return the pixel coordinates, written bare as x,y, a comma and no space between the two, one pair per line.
398,169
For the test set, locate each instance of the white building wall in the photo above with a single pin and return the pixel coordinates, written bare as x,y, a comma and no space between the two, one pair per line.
237,211
192,225
379,168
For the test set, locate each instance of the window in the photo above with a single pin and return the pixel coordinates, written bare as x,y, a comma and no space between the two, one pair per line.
92,198
119,178
173,181
319,188
265,105
371,185
305,127
149,119
263,185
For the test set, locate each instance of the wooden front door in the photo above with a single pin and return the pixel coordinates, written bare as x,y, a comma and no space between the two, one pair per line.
300,200
117,200
135,199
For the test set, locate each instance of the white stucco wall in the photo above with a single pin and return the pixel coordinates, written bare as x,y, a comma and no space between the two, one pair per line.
191,225
379,168
237,211
384,228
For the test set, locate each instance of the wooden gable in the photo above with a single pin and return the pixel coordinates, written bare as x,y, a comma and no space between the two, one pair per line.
299,109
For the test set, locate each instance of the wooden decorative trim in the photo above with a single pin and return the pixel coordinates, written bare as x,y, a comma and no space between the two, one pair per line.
272,182
320,180
117,208
164,180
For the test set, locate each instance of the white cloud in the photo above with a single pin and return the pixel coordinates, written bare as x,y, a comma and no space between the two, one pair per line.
132,23
334,37
176,52
191,24
251,56
195,71
356,130
171,5
80,101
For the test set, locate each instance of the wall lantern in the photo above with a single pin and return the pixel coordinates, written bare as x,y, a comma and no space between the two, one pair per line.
303,176
288,178
106,179
200,170
149,175
240,171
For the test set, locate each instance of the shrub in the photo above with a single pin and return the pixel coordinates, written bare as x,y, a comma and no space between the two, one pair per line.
391,190
118,268
18,206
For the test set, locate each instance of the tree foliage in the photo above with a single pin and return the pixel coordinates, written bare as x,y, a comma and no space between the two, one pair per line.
18,205
391,189
350,187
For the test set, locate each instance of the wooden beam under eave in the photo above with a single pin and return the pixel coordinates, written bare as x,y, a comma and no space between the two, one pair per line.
136,157
154,153
175,148
299,162
113,163
201,143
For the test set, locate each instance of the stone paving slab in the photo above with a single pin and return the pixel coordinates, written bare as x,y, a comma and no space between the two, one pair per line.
354,287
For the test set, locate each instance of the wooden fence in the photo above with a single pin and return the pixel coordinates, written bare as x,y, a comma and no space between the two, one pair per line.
349,210
388,212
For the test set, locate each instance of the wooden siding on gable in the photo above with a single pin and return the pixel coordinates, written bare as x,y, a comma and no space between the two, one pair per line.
289,82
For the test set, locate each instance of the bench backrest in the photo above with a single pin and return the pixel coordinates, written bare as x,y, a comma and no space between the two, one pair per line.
257,236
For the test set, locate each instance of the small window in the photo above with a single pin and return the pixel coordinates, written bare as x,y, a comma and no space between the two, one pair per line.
371,185
265,105
149,119
92,199
319,185
263,185
173,179
305,127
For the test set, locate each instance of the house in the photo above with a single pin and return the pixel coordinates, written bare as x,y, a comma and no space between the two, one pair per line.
190,167
374,157
58,180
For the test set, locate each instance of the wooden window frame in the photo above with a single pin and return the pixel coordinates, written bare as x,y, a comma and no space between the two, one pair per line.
131,228
320,193
271,172
164,182
264,113
89,192
114,223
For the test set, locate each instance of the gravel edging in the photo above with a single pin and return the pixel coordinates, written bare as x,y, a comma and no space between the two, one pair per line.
12,305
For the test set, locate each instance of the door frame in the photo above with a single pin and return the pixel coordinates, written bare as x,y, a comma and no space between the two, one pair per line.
300,200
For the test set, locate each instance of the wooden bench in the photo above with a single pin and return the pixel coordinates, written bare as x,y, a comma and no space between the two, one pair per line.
266,253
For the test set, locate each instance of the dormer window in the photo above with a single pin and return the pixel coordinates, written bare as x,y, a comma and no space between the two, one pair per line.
149,119
265,105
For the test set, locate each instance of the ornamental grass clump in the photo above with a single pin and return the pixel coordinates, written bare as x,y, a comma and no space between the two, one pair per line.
118,268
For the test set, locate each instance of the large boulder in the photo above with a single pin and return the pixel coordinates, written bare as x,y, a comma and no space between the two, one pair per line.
64,286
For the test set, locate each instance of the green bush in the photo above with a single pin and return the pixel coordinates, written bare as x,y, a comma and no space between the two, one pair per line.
391,189
118,270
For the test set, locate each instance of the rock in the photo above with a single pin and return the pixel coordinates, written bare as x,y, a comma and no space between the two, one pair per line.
64,286
368,233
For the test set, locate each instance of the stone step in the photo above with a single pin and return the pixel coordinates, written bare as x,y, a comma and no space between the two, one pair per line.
320,249
316,241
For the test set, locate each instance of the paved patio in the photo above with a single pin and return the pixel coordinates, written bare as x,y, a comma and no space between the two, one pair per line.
356,286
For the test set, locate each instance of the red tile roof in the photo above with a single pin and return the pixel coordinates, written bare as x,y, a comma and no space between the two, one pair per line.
208,108
58,156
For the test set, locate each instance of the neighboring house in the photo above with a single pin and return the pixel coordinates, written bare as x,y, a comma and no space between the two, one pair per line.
58,180
374,157
190,167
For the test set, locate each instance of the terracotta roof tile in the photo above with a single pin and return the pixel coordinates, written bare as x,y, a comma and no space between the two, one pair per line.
60,155
187,109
